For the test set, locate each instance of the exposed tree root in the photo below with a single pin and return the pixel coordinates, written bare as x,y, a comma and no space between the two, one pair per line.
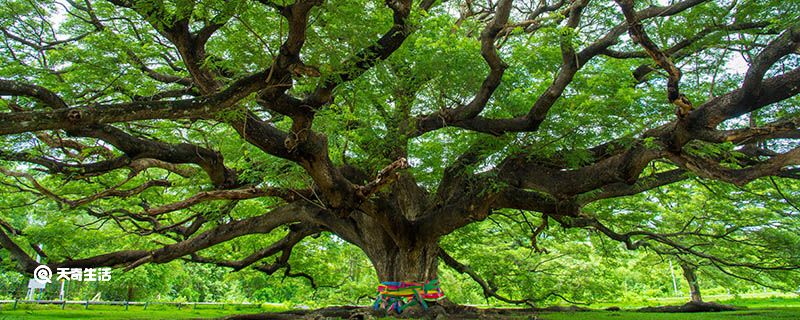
692,307
453,311
434,312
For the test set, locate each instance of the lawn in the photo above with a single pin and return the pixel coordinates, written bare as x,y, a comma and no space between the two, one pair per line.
118,312
758,307
753,314
762,308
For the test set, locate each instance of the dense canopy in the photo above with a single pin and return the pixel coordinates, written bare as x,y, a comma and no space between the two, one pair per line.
229,132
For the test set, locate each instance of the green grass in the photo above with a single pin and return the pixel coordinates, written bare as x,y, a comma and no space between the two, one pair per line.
758,308
134,312
752,314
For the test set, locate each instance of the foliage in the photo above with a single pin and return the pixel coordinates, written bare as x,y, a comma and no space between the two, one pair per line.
203,136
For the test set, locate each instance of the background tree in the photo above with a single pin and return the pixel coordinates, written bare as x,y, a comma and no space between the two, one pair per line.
191,126
690,274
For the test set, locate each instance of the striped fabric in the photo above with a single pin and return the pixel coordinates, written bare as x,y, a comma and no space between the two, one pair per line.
398,295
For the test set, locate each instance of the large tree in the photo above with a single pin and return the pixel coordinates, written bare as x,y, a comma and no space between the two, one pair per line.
390,125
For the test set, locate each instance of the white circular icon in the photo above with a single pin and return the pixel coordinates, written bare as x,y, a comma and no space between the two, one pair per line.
42,274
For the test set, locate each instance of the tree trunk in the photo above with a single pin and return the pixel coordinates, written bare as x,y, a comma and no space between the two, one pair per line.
691,278
391,236
402,255
391,231
416,262
409,262
129,296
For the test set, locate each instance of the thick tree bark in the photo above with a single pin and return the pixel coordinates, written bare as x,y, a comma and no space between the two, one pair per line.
689,273
388,228
415,263
407,260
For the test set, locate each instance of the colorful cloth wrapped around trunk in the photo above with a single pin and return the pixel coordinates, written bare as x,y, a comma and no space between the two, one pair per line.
397,296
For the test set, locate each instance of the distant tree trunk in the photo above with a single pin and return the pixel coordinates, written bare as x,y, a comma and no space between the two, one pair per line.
129,296
689,273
